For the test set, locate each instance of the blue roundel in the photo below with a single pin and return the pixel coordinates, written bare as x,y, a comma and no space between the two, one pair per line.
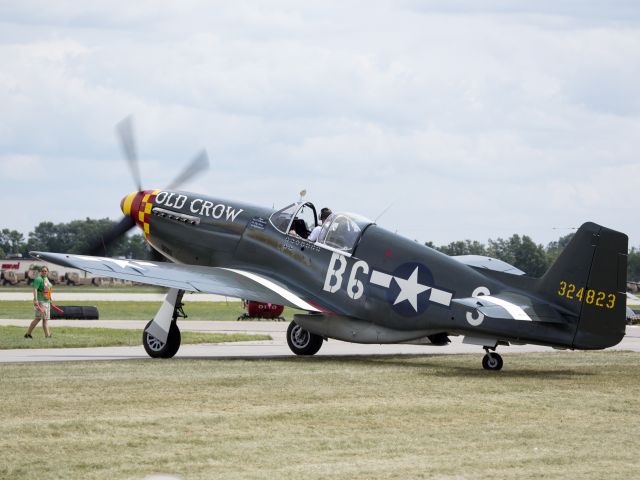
410,289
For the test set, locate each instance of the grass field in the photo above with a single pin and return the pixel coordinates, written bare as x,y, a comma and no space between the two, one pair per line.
74,337
556,415
138,310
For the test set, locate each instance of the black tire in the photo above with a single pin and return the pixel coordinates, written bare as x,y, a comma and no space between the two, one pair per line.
492,362
301,341
156,349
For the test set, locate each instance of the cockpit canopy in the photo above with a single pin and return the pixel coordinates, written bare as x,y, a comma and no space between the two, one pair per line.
300,218
340,231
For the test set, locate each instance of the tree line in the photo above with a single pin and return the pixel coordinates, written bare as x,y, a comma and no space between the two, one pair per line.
522,252
78,235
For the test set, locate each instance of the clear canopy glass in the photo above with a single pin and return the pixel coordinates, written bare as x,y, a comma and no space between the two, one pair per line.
342,230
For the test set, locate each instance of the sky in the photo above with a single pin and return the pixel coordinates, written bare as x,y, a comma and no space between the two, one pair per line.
458,119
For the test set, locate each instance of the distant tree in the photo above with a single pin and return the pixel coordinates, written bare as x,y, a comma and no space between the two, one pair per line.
633,265
42,237
555,248
76,236
11,241
521,252
137,247
518,251
464,247
501,249
524,253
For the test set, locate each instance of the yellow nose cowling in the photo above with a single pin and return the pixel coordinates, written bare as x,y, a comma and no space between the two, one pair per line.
126,202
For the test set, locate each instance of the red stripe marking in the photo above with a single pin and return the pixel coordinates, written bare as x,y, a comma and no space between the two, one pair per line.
135,205
314,304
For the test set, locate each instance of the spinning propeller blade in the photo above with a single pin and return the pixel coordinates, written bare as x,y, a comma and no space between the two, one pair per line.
199,164
125,133
128,144
111,236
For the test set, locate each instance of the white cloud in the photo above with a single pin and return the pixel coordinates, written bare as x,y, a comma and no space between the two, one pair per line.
14,167
475,121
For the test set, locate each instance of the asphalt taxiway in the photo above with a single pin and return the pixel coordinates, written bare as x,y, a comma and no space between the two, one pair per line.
277,347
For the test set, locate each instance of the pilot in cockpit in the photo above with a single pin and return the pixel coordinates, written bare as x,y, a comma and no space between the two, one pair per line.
299,228
324,214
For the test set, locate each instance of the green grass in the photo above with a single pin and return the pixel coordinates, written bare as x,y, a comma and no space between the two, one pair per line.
137,310
75,337
555,415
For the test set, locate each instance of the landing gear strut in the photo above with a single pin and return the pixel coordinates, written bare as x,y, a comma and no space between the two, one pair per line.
492,360
157,341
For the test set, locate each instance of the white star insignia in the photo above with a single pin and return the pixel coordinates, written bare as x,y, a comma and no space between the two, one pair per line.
121,263
410,289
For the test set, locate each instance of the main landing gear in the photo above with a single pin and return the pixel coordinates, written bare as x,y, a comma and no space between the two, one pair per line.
301,341
491,360
161,337
156,348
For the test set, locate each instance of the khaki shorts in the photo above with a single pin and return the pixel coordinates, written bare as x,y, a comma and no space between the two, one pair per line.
45,314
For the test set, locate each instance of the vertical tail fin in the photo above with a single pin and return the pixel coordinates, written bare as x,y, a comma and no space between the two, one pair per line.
589,279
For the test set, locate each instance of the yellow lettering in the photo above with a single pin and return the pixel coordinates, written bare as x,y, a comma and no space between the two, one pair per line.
600,299
570,290
563,288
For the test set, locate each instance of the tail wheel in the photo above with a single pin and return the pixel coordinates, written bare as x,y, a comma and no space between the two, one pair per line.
492,361
158,349
301,341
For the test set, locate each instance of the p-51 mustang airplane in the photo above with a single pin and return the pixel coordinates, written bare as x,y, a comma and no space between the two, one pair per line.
361,283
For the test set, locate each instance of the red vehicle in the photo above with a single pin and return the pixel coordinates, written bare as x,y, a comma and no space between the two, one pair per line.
259,310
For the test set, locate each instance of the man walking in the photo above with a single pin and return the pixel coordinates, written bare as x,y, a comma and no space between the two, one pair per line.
41,303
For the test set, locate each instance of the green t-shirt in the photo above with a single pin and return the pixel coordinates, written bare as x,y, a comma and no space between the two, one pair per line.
42,284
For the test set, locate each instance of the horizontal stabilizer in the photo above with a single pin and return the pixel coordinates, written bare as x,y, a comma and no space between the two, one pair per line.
511,306
488,263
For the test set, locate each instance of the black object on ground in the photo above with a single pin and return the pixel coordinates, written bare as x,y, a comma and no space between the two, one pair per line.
74,313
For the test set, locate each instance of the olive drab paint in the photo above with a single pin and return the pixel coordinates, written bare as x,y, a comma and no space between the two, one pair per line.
372,285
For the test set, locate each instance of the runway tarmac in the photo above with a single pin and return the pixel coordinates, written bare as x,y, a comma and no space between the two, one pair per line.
265,349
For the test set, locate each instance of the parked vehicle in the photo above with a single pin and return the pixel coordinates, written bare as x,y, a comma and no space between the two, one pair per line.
17,271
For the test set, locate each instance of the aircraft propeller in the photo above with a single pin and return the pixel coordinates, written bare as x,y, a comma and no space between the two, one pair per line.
124,129
128,144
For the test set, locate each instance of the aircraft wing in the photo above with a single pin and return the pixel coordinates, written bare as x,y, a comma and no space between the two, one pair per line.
192,278
488,263
511,306
632,300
